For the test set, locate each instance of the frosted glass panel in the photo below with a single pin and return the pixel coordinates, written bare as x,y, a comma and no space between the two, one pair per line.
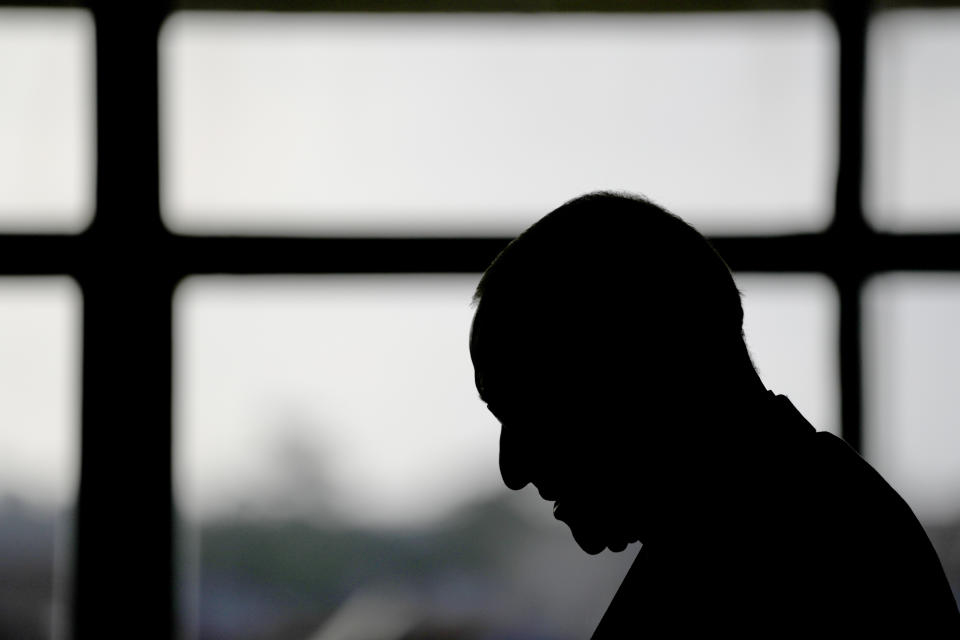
46,120
358,379
913,366
39,449
477,124
914,99
39,389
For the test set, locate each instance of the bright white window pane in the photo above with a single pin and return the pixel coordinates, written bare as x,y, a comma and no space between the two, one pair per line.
913,365
358,379
914,99
46,120
429,124
790,326
39,387
39,425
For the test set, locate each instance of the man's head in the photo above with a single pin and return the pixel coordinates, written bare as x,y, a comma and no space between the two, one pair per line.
601,335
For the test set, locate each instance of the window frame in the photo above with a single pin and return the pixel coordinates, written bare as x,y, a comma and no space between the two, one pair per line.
128,265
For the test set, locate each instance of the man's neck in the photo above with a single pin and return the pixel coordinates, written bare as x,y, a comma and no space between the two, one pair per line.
723,468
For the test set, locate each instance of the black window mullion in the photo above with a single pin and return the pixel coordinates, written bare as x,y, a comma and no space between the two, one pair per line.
851,18
123,560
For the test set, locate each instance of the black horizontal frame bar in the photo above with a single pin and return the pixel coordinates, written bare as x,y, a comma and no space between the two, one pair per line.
416,6
429,6
180,256
422,6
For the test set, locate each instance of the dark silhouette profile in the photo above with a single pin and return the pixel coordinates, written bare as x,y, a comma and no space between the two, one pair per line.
608,343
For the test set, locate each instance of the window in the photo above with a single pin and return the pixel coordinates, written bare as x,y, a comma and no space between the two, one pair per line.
914,95
220,223
475,124
39,411
912,365
46,121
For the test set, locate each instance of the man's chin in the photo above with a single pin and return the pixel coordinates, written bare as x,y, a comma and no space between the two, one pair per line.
617,546
593,542
593,547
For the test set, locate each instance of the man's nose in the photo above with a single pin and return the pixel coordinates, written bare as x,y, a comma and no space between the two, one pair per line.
514,460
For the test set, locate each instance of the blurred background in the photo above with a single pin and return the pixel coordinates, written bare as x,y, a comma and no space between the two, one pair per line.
332,470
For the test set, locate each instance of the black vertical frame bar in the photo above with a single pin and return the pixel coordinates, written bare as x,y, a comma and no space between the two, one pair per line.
123,571
849,230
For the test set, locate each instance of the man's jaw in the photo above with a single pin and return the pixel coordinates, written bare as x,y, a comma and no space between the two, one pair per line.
589,543
592,538
617,545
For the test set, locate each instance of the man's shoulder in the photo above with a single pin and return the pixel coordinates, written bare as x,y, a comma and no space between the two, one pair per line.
818,540
826,468
845,499
843,477
870,541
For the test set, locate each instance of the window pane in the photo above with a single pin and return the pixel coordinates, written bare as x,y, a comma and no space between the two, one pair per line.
337,468
46,120
790,325
913,434
914,351
39,426
914,95
431,124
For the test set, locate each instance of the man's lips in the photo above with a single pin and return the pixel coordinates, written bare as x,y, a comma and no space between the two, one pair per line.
551,494
559,511
589,541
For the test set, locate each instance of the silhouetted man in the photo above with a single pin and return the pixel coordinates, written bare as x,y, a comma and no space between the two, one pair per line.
608,342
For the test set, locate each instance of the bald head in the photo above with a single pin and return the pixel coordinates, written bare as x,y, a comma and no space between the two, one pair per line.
609,272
